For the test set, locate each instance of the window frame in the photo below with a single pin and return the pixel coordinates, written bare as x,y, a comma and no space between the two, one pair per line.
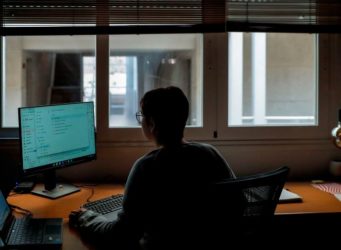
5,133
214,100
134,134
290,132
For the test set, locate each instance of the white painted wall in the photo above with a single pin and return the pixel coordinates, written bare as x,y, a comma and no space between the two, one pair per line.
14,77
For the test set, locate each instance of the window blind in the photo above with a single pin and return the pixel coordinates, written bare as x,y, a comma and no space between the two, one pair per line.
284,15
112,16
25,17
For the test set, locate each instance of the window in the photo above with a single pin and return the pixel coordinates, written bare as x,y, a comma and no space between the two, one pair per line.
39,70
140,63
252,94
218,73
272,79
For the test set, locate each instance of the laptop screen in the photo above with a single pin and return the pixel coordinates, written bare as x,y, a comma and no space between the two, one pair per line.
4,211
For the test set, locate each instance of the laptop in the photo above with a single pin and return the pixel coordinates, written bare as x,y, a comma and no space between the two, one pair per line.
27,232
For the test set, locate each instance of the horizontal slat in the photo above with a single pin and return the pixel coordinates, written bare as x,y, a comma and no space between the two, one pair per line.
279,12
118,11
312,12
118,29
186,15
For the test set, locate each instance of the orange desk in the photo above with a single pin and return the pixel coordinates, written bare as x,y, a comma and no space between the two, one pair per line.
43,207
315,202
311,224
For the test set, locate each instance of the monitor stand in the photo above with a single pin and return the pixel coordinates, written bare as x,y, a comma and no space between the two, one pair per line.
52,189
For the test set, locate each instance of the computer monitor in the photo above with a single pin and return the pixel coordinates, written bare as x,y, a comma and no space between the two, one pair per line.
54,137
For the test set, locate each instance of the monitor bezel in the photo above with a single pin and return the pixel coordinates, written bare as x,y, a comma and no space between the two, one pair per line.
44,168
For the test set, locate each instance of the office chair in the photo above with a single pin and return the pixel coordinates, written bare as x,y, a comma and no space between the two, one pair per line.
242,209
228,214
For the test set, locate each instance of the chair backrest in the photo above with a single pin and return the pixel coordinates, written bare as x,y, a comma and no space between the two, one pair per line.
245,206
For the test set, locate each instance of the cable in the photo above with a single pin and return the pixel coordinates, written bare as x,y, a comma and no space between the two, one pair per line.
92,190
21,210
92,194
14,194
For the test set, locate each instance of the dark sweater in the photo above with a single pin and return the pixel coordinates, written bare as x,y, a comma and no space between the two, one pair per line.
163,203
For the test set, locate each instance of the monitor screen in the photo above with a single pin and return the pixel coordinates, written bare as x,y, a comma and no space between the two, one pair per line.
56,136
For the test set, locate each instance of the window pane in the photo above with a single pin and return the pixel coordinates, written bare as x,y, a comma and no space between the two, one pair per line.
40,70
139,63
272,81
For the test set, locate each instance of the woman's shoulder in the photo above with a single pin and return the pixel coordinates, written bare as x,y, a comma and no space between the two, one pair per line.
204,150
200,146
148,157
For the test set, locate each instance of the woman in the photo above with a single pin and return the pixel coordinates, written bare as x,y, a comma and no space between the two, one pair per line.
163,199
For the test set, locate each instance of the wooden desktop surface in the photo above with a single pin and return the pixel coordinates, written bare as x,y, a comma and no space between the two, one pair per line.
43,207
314,201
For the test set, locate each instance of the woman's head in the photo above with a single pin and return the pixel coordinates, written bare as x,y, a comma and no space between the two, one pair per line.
165,112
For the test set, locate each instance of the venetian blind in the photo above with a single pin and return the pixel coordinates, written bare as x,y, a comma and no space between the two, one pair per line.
284,15
112,16
22,17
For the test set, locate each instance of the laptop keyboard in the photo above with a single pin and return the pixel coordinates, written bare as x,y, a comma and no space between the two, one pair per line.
26,232
105,205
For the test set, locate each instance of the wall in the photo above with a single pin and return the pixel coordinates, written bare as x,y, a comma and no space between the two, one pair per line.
15,73
307,160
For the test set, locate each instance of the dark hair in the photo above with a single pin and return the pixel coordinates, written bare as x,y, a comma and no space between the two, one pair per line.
168,107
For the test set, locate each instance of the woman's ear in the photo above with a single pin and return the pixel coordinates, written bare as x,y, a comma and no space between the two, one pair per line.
151,125
152,131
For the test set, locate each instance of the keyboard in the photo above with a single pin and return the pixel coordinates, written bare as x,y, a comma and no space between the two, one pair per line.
105,205
26,231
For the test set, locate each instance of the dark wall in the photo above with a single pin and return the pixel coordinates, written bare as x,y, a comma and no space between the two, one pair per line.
9,166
